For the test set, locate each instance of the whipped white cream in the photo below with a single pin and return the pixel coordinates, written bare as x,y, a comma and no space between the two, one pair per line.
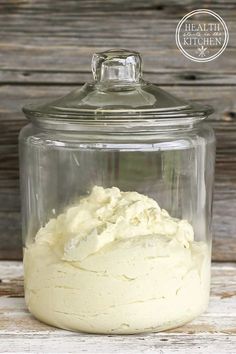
116,262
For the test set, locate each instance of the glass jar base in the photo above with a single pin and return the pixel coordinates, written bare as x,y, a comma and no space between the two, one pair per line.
123,329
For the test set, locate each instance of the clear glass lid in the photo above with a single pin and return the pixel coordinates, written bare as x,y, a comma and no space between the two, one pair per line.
118,94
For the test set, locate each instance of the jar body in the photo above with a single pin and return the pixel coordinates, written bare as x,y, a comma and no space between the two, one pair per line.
117,280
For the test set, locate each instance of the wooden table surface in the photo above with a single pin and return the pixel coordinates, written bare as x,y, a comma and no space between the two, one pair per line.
214,332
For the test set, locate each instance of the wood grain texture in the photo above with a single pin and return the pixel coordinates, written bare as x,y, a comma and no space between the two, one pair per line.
62,36
213,332
45,51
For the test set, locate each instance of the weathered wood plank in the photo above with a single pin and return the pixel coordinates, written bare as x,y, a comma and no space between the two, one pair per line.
150,343
213,332
53,54
11,279
101,6
178,76
10,235
66,41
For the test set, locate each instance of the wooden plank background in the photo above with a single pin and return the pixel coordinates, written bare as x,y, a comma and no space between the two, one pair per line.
45,51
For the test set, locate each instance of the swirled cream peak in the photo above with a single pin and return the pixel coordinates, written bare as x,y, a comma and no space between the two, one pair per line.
109,215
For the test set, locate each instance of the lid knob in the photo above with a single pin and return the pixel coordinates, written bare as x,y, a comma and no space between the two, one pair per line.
117,67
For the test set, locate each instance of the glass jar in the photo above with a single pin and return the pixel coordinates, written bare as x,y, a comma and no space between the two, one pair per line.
116,181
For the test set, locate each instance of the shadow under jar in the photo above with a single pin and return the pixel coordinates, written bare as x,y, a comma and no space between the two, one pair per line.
116,182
